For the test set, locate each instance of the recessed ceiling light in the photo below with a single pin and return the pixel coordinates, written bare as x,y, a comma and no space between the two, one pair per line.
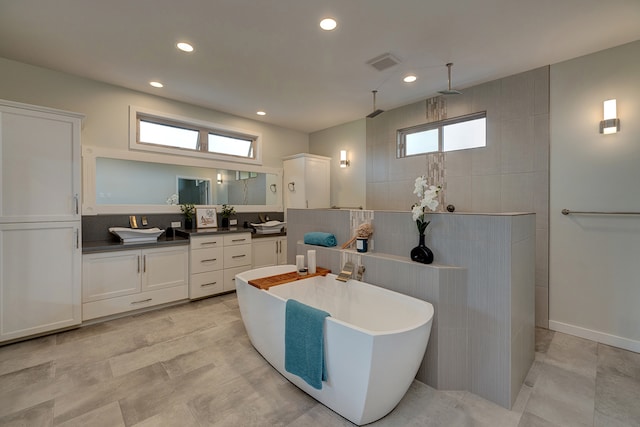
156,84
410,78
328,24
185,47
261,113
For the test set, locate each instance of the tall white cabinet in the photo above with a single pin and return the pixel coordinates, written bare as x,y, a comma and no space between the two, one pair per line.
40,222
306,181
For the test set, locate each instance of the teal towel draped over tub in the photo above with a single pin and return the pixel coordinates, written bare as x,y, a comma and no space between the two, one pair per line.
304,342
320,239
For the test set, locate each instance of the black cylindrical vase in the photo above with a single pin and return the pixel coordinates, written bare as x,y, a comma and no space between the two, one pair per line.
422,253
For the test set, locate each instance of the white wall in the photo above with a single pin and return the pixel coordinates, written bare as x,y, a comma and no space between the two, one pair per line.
347,184
594,260
107,109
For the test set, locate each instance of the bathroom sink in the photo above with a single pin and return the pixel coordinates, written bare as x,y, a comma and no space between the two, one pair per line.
269,227
137,235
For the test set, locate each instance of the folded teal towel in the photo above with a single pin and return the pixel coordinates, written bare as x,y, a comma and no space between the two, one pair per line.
304,342
320,239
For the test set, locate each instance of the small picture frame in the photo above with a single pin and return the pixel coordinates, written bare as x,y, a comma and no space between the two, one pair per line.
206,217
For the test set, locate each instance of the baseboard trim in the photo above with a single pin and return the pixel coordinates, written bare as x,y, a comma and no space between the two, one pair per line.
601,337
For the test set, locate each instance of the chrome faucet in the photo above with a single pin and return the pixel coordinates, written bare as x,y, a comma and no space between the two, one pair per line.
347,272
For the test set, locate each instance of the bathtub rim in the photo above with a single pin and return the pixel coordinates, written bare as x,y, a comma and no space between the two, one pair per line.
418,302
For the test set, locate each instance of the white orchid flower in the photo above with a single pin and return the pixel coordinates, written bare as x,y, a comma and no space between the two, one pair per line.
417,212
419,186
432,204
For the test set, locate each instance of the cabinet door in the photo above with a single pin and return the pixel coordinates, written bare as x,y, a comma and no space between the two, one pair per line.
110,274
264,252
294,192
40,278
317,183
40,159
282,251
164,267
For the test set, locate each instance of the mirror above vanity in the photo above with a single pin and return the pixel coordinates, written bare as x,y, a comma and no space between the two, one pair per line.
117,181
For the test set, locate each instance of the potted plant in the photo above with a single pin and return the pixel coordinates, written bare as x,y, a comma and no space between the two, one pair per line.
189,210
227,211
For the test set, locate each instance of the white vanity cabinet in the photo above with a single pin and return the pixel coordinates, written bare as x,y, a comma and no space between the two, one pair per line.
125,280
268,251
215,260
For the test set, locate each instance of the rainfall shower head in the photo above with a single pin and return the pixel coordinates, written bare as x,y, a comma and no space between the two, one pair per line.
374,112
449,91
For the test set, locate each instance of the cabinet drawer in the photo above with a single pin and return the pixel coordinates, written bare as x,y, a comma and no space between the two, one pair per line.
107,307
204,260
230,276
205,242
237,239
205,284
235,256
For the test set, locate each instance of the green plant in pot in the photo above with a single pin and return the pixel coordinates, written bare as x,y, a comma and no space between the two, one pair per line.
188,210
227,211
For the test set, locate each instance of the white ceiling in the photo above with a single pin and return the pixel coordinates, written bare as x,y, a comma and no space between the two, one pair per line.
272,55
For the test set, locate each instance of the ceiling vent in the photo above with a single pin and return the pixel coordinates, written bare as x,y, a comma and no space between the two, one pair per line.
383,62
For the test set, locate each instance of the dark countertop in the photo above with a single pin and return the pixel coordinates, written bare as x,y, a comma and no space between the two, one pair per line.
114,245
181,238
231,230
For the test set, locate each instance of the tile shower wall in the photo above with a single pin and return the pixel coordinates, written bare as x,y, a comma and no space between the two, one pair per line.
488,346
511,174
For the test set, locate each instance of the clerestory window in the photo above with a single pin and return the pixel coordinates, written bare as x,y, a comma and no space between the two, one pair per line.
458,133
183,136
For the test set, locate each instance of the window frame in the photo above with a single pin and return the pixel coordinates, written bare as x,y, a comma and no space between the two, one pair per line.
204,128
401,134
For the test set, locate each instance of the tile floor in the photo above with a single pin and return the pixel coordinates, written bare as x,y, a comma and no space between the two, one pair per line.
193,365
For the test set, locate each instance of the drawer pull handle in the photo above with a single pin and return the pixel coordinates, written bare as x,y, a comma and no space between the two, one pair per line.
238,240
239,256
209,260
209,243
208,284
141,302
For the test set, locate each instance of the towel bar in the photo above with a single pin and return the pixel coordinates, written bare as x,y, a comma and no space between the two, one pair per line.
568,212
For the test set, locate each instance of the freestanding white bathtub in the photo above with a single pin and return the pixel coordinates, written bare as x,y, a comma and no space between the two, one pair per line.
374,340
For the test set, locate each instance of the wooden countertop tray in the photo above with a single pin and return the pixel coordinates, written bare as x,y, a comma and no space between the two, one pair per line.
279,279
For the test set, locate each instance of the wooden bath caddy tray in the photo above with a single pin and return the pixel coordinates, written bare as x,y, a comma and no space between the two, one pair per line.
279,279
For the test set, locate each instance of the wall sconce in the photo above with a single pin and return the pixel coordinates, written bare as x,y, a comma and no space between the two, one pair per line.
343,159
219,178
610,124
